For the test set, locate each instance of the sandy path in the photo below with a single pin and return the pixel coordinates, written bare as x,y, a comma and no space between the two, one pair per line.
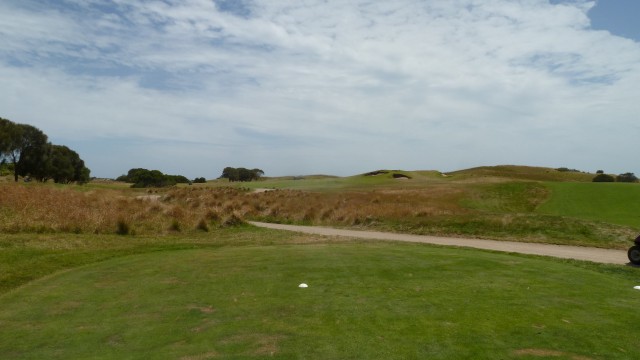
605,256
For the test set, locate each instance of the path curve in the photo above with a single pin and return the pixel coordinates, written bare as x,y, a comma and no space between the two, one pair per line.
605,256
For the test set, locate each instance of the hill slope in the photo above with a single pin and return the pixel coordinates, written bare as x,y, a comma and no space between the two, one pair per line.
523,173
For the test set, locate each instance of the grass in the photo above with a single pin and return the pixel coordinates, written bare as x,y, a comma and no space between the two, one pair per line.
104,271
322,183
509,197
49,208
27,257
615,203
364,301
528,173
428,203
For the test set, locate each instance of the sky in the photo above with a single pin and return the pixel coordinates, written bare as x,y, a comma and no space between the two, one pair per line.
338,87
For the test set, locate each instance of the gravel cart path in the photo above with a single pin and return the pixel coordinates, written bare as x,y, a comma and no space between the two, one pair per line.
605,256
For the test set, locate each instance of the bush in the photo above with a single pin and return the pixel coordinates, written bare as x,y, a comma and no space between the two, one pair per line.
604,178
241,174
178,179
565,169
143,178
627,177
199,180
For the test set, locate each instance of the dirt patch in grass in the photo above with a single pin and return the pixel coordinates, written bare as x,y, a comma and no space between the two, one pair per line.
262,190
149,197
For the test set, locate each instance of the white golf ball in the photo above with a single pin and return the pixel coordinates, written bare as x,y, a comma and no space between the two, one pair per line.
303,285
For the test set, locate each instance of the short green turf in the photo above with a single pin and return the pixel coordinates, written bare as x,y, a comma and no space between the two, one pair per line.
364,301
615,203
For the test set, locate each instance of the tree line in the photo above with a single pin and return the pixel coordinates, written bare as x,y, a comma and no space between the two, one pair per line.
241,174
142,178
626,177
29,153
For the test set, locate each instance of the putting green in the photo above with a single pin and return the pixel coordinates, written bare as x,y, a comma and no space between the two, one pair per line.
378,300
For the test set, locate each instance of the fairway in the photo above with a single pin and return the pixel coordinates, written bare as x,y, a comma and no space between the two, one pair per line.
615,203
364,301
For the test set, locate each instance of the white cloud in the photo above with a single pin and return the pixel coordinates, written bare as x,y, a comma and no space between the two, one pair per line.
336,87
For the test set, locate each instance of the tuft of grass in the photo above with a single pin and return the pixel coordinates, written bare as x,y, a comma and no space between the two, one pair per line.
202,225
175,226
123,228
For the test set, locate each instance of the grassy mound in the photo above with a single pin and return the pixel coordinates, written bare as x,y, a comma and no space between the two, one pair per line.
379,300
516,172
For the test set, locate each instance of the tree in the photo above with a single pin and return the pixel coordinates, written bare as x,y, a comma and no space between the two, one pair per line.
626,177
178,179
241,174
132,175
7,136
245,174
23,145
30,154
35,162
257,174
151,178
230,173
603,178
65,166
10,133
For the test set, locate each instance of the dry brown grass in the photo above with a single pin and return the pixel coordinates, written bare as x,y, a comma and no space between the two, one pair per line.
355,208
440,209
43,208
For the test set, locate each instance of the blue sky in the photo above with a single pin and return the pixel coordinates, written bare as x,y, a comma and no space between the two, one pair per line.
335,87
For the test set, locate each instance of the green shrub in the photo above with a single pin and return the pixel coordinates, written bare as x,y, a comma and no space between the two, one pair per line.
604,178
627,177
